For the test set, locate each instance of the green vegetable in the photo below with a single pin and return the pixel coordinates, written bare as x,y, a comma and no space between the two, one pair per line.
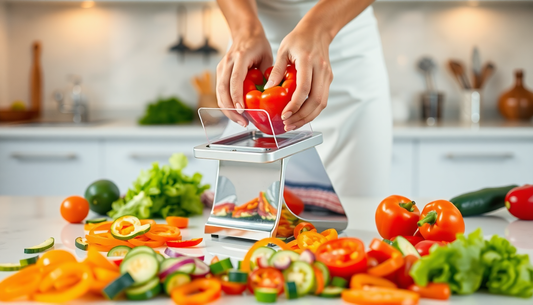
481,201
162,191
101,194
471,263
45,245
167,111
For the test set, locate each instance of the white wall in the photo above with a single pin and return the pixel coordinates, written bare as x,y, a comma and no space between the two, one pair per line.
3,55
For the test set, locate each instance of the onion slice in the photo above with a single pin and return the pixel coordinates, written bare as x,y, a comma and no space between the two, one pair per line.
176,267
172,253
307,256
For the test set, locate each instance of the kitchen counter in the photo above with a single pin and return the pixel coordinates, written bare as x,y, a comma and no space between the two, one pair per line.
131,130
26,221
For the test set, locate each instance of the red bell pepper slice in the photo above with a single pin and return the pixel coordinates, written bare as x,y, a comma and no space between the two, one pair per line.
394,262
184,243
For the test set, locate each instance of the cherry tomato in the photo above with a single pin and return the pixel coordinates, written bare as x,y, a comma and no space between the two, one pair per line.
424,246
344,256
74,209
255,76
266,278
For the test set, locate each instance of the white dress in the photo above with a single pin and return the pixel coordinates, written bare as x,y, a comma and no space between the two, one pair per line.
357,122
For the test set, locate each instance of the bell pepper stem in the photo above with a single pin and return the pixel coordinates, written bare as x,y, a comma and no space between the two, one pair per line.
408,206
430,218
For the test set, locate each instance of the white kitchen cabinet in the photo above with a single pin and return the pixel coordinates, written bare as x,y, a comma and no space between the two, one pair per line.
402,168
124,159
450,167
48,167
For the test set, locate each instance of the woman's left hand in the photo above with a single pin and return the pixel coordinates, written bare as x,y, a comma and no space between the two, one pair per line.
307,48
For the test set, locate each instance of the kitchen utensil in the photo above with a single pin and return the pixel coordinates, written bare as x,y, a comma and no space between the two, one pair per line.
36,80
432,106
427,65
476,68
255,169
486,72
517,103
206,49
470,107
458,71
181,47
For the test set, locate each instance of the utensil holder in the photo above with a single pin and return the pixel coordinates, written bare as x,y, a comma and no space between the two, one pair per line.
431,102
470,108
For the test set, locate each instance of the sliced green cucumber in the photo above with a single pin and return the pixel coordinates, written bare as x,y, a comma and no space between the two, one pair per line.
96,220
176,279
221,266
159,257
29,261
291,292
302,274
261,252
339,282
45,245
171,261
117,286
138,228
325,271
140,249
332,292
405,246
118,251
144,292
283,257
142,267
81,243
10,267
266,295
237,276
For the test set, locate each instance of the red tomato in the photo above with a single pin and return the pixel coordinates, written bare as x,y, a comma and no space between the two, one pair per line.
267,72
232,288
255,76
424,246
248,86
290,73
519,202
266,278
344,256
402,277
74,209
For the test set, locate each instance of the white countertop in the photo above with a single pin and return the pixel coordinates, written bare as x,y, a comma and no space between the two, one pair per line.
131,130
26,221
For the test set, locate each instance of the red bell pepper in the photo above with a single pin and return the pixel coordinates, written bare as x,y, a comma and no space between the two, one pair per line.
441,220
224,209
344,257
293,202
412,239
424,246
265,209
519,202
397,215
184,243
402,276
394,258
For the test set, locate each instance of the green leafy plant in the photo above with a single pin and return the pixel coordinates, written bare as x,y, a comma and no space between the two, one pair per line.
167,111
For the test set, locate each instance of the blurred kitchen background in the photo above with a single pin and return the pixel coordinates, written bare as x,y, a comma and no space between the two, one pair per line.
118,52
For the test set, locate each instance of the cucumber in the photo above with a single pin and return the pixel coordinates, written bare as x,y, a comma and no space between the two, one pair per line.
261,252
266,295
140,249
147,291
118,251
405,246
117,286
339,282
176,279
332,292
10,267
282,257
169,262
81,243
481,201
138,228
291,292
303,275
325,272
159,257
45,245
237,276
142,267
29,261
221,266
96,220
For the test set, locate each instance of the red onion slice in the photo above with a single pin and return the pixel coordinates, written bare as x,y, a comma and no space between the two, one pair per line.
282,263
176,267
307,256
201,270
172,253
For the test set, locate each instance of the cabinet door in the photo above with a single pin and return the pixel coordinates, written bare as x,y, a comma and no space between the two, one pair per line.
402,170
447,169
48,167
124,159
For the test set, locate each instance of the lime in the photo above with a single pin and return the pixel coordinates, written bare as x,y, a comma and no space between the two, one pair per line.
18,106
101,194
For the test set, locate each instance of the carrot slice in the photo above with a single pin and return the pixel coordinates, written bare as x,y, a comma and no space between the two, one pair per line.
180,222
164,233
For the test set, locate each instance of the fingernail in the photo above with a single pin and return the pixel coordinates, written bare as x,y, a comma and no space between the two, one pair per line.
239,108
269,84
242,123
286,115
289,128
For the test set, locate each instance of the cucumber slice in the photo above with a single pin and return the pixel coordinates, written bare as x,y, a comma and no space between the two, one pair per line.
117,286
291,292
96,220
142,267
237,276
10,267
325,272
221,266
118,251
140,249
45,245
144,292
283,258
159,257
339,282
332,292
303,275
266,295
176,279
138,228
81,243
261,252
29,261
405,246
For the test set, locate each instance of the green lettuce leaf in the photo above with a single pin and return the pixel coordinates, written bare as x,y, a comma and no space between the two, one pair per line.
138,206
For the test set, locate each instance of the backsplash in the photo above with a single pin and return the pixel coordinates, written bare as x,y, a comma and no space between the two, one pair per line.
121,49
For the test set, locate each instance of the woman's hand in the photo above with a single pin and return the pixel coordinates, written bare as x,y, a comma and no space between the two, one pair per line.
247,50
307,48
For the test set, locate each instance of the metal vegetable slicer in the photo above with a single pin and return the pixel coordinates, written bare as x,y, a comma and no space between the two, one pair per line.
267,183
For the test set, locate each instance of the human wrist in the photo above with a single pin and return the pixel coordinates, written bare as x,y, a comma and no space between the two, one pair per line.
247,29
316,29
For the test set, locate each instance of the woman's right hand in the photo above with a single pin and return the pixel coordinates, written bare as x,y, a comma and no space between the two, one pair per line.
248,50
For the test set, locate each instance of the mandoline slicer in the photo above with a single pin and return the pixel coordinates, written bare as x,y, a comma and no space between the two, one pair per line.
266,184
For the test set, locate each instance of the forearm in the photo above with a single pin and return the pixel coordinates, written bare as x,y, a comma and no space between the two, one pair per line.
328,17
241,16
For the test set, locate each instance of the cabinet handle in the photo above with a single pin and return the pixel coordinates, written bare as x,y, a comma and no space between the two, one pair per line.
154,156
484,156
44,156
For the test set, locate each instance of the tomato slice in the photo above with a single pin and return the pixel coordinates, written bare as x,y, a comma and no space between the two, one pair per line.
310,240
303,227
231,288
344,256
184,243
266,278
380,296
